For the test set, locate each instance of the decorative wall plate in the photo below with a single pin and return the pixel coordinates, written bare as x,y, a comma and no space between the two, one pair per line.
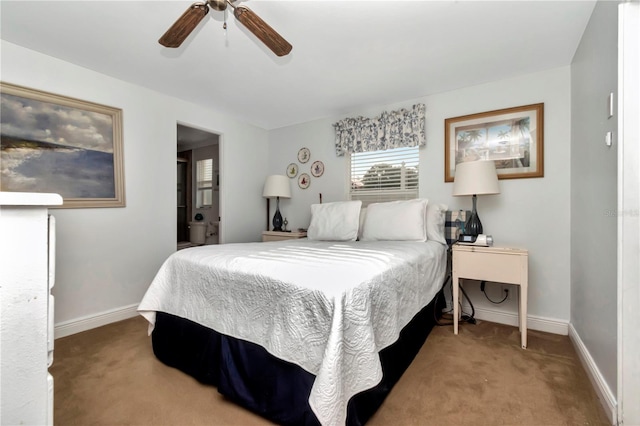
292,170
317,168
304,180
304,155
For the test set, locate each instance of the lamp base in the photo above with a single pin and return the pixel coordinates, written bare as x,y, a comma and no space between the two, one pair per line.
277,217
473,225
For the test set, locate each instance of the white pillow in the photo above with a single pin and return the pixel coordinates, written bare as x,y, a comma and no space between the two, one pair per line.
396,221
335,221
436,217
363,214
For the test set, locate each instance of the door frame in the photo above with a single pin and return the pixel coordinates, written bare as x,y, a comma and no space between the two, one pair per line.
628,389
221,201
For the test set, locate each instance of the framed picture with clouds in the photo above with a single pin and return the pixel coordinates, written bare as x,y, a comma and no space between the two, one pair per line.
53,143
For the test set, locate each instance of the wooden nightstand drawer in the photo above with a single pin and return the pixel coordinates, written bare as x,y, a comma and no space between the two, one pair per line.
280,236
497,266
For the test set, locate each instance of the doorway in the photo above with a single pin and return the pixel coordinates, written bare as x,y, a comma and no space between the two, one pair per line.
198,187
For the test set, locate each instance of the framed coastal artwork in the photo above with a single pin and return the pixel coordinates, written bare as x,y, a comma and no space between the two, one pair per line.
513,138
53,143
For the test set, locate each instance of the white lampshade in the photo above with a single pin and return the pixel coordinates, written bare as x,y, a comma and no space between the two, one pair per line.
475,178
277,186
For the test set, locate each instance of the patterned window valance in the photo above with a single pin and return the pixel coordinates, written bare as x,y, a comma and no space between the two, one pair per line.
393,129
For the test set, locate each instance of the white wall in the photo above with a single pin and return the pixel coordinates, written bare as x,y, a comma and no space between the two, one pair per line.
594,191
284,144
107,257
529,213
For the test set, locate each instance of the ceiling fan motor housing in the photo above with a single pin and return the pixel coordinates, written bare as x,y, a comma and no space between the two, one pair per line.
217,4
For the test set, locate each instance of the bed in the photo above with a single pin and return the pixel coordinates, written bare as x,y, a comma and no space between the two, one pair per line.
309,331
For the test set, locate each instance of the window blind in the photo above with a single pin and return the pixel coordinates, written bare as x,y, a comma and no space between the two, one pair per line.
389,175
204,183
205,173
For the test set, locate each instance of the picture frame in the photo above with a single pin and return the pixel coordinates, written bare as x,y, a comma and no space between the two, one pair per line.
58,144
512,137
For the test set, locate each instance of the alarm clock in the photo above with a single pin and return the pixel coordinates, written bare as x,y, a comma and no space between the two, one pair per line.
475,240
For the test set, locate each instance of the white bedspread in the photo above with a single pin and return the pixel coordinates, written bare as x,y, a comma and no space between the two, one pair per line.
328,307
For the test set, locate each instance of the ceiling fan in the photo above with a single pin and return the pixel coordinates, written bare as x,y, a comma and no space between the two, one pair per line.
181,29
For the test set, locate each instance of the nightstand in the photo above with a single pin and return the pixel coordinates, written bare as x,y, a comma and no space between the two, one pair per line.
280,236
495,264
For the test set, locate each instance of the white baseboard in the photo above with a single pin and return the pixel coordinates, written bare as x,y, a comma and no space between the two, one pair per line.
603,391
547,325
68,328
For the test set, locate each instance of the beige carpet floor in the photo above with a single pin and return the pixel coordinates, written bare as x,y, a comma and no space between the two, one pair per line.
109,376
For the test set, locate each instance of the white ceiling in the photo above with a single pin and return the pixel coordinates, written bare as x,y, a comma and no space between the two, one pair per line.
346,54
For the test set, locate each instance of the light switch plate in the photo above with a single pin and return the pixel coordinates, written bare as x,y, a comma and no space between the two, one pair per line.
608,139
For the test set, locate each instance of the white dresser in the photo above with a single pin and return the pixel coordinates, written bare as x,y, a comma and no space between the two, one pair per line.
27,270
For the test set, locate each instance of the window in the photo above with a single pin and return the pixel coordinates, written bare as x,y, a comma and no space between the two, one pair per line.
204,183
389,175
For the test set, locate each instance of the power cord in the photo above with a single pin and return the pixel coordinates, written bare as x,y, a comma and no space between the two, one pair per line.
506,295
464,317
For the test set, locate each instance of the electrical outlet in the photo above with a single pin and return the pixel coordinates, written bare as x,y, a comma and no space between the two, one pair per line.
507,289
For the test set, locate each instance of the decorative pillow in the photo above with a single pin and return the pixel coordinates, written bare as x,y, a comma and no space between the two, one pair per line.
436,217
335,221
396,221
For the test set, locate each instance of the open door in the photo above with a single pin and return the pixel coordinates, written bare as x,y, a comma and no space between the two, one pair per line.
198,187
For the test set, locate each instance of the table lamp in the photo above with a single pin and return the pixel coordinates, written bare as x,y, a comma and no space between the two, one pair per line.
276,186
475,178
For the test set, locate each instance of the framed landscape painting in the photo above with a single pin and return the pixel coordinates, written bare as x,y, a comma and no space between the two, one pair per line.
513,138
52,143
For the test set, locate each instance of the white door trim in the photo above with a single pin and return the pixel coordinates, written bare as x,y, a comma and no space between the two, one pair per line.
628,213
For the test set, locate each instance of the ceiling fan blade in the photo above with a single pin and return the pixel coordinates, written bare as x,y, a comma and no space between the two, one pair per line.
185,24
262,30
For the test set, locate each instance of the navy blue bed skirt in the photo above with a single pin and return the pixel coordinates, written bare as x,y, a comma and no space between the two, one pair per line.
275,389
